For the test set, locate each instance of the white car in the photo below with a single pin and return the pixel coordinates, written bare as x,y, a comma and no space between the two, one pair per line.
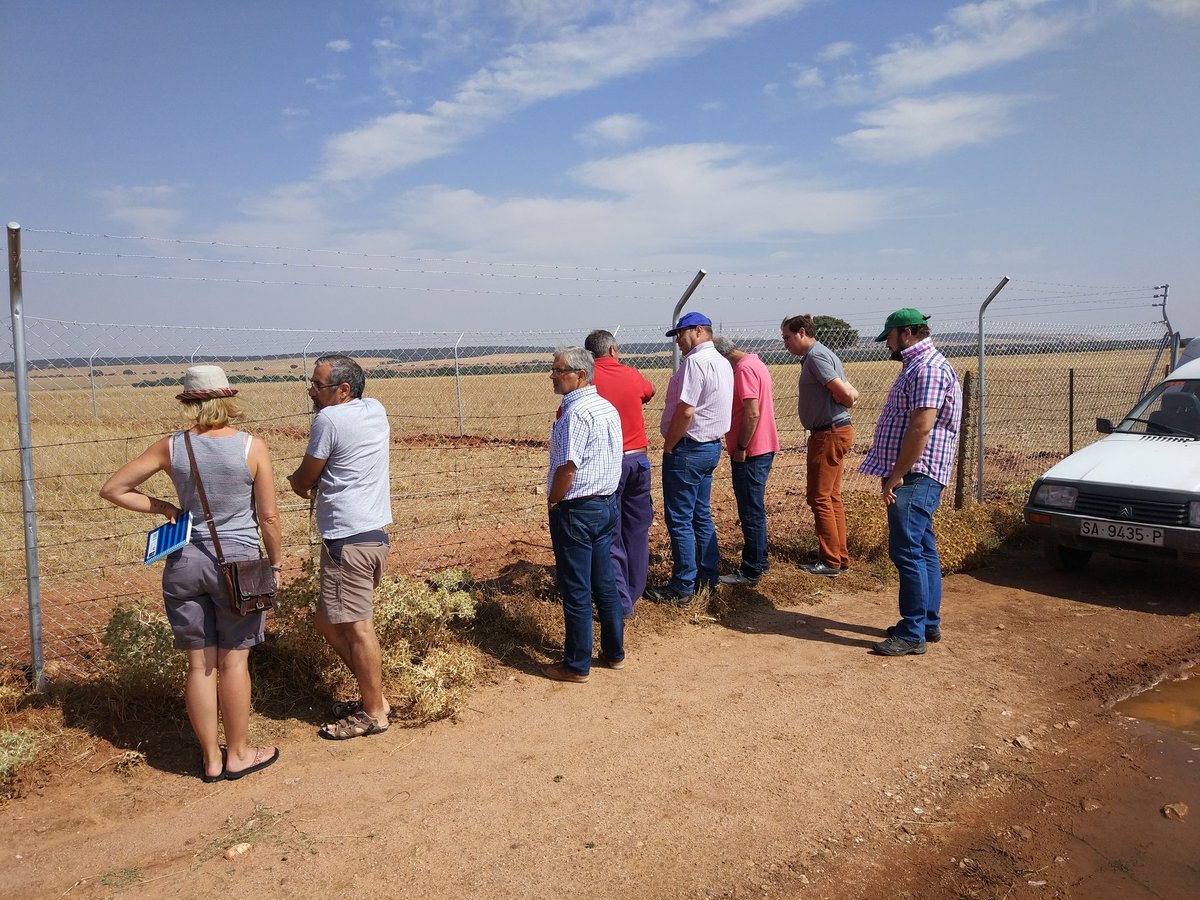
1134,493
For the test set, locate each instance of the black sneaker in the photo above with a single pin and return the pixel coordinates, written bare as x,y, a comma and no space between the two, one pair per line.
932,635
819,568
897,646
667,596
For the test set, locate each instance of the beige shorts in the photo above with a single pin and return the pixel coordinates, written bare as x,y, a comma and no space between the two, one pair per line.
347,590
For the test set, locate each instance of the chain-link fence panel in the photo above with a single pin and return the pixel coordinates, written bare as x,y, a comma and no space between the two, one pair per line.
470,417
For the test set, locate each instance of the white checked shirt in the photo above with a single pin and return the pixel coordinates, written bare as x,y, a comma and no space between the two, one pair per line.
587,433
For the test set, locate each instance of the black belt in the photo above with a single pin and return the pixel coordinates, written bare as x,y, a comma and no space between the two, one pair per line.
687,440
838,424
581,499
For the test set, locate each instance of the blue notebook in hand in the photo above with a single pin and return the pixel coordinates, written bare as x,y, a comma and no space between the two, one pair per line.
168,537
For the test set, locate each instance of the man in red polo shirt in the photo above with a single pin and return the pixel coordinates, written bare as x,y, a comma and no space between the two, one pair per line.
627,389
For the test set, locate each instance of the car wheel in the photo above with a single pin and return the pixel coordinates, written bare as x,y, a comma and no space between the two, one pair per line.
1067,559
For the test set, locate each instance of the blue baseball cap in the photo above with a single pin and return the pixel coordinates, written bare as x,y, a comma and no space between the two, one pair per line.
689,320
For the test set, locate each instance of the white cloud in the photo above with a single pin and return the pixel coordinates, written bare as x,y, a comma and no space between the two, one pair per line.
289,112
148,209
326,82
635,38
339,46
835,51
809,78
908,129
976,36
614,129
972,37
673,199
1178,9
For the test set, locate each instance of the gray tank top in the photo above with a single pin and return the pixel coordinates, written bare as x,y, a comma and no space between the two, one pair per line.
227,484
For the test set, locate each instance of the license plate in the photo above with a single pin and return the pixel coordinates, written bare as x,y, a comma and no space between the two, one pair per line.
1121,531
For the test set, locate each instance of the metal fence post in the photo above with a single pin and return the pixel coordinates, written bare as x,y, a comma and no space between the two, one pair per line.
1071,410
458,384
980,432
92,381
21,376
687,295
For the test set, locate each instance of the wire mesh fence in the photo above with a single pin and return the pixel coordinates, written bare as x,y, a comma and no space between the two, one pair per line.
470,418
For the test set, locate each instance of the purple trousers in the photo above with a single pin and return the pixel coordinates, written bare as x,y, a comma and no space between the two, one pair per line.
631,536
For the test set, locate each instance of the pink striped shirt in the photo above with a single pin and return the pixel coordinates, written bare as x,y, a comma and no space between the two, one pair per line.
926,381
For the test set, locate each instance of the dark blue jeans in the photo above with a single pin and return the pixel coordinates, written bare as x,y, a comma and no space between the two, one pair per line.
750,491
581,534
687,487
912,550
631,536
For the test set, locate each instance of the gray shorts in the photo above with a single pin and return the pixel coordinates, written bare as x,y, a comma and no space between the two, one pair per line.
347,590
198,606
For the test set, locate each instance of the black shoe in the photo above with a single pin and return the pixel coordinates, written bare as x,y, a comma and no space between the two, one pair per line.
896,646
819,568
667,596
932,635
738,578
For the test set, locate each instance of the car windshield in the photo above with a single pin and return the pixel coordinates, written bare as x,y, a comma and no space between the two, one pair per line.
1171,408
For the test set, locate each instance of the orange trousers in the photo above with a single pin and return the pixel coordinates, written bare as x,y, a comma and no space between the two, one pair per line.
826,456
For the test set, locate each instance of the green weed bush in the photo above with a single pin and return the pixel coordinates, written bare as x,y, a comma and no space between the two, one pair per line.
17,748
140,654
426,666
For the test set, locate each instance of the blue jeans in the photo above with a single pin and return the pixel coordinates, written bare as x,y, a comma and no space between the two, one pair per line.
687,486
750,490
581,534
912,550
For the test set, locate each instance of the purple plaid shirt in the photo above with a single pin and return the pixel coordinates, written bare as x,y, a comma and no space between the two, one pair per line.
926,381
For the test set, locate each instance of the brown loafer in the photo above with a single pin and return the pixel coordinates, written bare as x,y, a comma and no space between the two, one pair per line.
559,672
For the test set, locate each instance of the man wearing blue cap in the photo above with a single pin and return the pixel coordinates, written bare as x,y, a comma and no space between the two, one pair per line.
916,437
696,416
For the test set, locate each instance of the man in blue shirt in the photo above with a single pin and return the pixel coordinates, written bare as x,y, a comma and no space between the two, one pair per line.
581,485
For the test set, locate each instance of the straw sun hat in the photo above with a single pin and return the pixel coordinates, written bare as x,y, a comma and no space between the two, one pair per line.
205,383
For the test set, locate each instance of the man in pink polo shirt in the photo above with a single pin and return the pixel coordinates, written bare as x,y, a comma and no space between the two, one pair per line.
627,389
752,442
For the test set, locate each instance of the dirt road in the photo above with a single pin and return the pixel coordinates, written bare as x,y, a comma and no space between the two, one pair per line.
769,755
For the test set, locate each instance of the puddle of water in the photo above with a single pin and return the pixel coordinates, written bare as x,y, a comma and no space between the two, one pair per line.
1171,704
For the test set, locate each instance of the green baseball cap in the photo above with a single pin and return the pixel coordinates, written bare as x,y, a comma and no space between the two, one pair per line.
901,318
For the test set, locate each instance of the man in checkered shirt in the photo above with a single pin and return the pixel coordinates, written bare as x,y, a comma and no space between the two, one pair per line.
915,441
586,449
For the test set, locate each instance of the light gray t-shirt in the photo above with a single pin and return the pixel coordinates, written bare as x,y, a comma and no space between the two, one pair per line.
355,488
815,405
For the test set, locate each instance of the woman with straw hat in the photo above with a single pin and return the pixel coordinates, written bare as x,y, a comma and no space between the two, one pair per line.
235,470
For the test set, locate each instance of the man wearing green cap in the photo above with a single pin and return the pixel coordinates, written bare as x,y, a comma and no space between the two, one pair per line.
916,437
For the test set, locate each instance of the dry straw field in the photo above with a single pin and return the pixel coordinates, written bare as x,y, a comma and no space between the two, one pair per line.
471,499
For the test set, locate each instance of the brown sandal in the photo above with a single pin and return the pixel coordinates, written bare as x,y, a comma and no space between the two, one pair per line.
357,724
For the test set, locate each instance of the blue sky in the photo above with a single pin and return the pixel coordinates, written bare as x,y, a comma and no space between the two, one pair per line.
530,164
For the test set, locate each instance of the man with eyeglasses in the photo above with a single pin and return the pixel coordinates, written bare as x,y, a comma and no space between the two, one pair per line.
347,460
581,484
697,415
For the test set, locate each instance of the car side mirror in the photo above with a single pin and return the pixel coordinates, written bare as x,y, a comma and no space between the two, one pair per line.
1104,426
